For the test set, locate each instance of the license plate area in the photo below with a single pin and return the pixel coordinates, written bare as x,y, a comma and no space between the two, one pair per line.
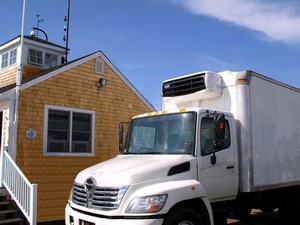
82,222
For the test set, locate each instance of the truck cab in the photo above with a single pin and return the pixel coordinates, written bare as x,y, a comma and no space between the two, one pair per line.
172,161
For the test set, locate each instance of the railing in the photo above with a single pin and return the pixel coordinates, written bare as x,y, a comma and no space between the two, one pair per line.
21,190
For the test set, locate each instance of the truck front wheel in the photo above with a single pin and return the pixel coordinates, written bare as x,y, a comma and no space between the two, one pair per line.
184,216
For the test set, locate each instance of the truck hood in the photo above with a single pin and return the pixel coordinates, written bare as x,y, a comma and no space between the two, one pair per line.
131,169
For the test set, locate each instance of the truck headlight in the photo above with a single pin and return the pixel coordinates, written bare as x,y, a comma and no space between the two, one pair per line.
147,204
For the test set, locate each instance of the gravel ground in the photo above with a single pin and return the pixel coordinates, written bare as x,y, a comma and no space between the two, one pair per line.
258,218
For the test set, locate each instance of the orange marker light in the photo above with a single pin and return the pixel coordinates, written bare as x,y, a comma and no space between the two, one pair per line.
242,81
154,208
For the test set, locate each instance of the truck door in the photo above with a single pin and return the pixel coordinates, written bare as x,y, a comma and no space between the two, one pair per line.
220,176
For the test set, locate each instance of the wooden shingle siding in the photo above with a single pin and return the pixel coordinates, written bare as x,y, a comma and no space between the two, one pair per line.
29,71
8,76
74,88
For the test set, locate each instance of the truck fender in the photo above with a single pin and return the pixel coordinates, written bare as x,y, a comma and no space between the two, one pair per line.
178,191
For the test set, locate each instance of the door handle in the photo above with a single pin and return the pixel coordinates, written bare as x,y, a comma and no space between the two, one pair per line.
230,166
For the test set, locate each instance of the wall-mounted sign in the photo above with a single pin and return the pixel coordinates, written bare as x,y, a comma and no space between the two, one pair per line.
31,133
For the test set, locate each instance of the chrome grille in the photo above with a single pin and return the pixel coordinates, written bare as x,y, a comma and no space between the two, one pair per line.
103,198
183,86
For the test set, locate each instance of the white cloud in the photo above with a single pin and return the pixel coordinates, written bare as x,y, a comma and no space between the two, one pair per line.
277,20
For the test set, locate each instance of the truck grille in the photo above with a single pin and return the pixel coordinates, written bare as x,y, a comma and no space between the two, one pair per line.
103,198
184,86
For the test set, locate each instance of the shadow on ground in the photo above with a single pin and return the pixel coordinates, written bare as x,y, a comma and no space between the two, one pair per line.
258,218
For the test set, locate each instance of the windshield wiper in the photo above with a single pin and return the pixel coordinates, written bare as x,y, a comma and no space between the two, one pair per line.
143,153
131,153
149,153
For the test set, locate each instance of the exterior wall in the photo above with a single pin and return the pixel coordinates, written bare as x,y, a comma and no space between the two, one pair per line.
8,76
75,88
29,71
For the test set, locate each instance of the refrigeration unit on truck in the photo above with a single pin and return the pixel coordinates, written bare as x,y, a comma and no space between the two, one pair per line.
223,144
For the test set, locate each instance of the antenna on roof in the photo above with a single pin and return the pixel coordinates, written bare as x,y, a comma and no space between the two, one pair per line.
66,29
38,21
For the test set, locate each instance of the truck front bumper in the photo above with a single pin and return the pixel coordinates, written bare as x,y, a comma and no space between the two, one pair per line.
73,217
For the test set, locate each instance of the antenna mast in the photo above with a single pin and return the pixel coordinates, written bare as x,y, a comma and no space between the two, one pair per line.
38,21
66,28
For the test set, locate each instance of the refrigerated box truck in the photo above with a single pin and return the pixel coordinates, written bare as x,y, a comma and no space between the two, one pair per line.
223,144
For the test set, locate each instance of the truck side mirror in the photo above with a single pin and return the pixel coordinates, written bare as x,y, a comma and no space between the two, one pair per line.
220,126
121,140
121,135
219,123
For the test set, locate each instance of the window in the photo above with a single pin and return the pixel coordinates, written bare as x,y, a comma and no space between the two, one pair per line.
9,58
68,131
35,57
164,134
4,62
99,66
207,136
50,60
13,57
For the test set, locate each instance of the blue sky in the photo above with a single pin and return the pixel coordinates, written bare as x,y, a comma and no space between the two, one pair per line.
150,41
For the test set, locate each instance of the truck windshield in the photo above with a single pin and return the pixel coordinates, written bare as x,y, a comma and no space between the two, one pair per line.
164,134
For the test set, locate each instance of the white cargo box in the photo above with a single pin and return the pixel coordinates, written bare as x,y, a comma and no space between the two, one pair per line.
267,114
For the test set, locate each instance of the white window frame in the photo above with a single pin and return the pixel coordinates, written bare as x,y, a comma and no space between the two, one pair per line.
71,110
36,57
99,66
13,57
4,62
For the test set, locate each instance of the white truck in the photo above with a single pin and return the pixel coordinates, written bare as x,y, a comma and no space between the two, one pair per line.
224,143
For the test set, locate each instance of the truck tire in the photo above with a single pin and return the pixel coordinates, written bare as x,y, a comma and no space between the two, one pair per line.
241,213
184,216
289,209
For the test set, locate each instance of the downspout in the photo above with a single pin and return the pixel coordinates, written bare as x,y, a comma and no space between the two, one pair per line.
18,85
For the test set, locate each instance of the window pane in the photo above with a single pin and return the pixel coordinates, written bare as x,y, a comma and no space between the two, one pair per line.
81,122
32,59
39,60
35,57
99,66
39,54
50,60
57,135
13,57
4,62
81,135
81,147
59,120
58,131
58,147
207,136
48,57
54,60
31,52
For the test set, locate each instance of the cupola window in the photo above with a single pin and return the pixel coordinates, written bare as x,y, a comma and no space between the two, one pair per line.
35,57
